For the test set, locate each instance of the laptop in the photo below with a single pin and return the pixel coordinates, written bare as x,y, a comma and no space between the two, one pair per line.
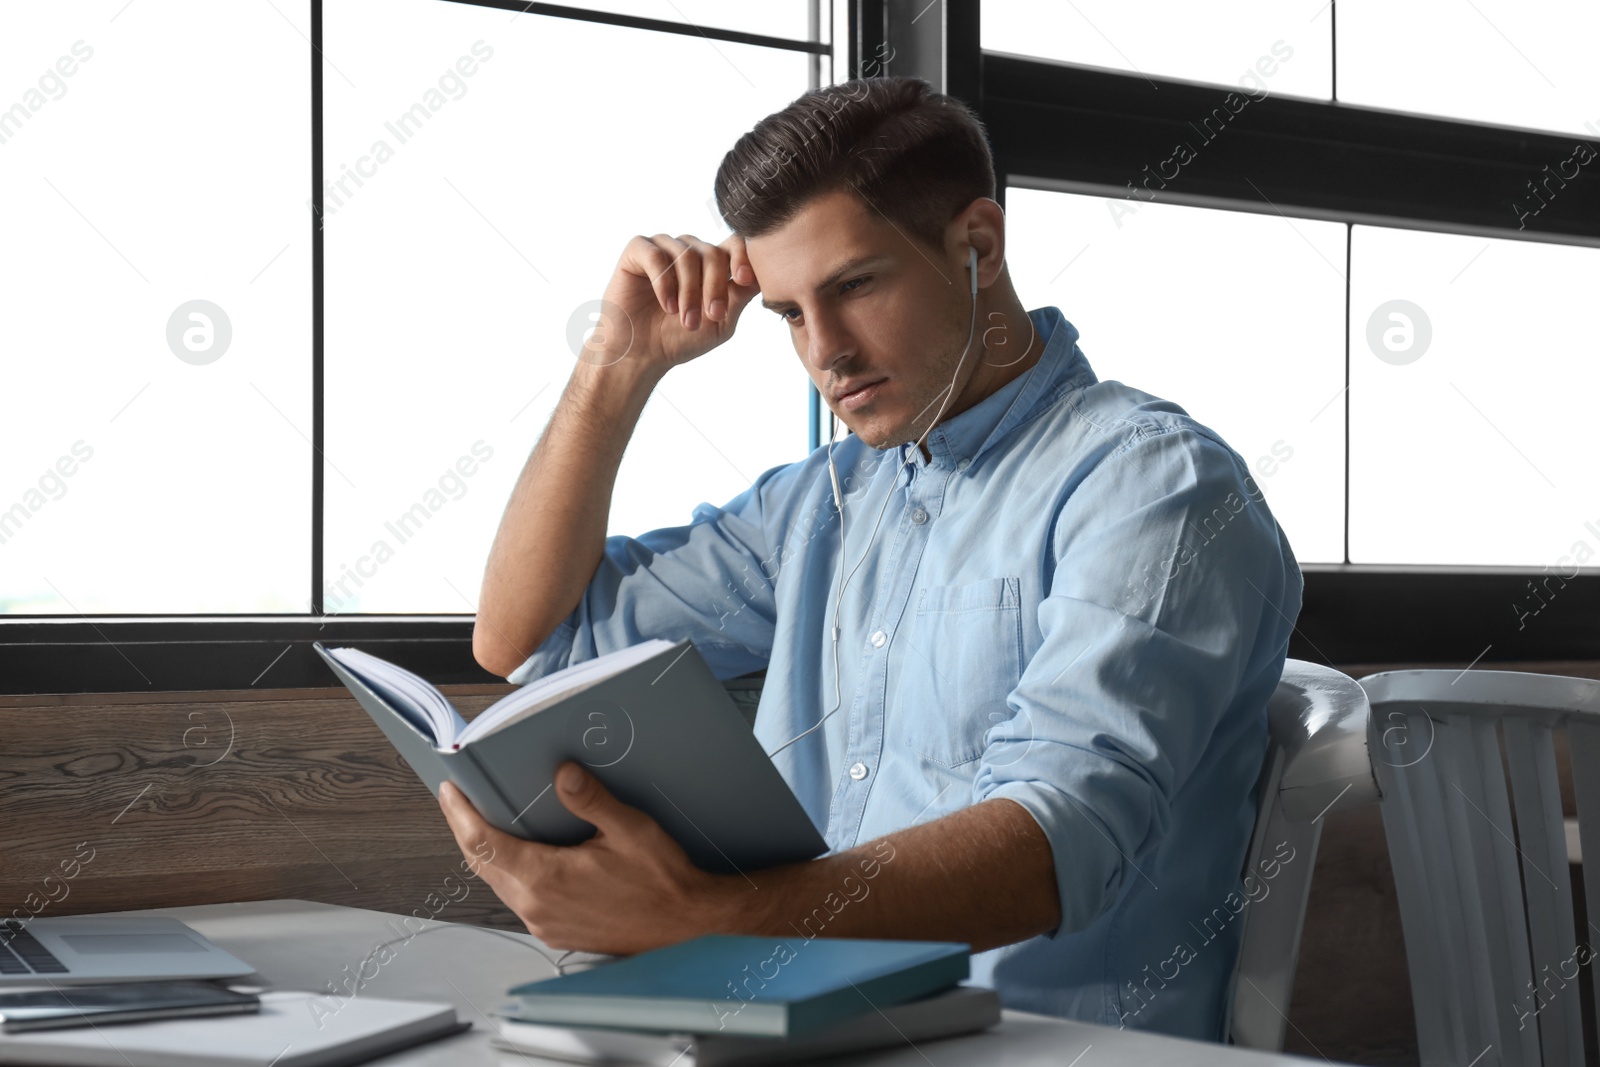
107,948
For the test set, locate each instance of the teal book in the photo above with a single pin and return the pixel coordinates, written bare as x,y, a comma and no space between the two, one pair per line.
754,986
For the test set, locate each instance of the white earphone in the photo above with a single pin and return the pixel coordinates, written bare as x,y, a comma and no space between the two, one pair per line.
838,502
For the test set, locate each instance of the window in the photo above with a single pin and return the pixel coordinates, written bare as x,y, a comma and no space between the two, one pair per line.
160,286
1513,62
1473,365
772,19
464,268
155,454
229,408
1237,317
1284,45
1433,156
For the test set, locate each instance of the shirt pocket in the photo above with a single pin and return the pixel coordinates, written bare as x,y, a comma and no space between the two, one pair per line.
963,655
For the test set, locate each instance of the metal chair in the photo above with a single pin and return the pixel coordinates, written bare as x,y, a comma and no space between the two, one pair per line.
1486,902
1317,761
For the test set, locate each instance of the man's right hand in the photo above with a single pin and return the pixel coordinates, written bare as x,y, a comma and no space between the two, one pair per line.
680,298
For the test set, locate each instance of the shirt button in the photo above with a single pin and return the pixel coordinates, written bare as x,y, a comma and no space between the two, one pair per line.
878,638
919,516
858,771
963,465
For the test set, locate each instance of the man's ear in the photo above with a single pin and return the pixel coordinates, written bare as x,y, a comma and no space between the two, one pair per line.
981,225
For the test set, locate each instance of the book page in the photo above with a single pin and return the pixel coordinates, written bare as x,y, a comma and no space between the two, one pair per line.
418,701
553,688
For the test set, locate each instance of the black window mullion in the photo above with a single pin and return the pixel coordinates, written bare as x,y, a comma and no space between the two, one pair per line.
317,295
1109,133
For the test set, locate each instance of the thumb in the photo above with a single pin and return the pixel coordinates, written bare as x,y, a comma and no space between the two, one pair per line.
582,794
742,282
739,297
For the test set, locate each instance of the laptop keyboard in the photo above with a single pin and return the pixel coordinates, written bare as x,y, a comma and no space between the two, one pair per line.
21,953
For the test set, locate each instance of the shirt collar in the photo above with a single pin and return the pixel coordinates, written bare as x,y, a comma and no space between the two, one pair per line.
960,439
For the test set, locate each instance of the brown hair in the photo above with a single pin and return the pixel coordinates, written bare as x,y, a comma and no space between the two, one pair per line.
914,155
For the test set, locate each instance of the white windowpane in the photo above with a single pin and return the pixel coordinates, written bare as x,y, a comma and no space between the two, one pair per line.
1473,372
1237,318
1513,62
155,154
775,18
1264,46
457,264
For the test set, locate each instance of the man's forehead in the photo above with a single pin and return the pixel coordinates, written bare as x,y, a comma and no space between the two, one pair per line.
830,219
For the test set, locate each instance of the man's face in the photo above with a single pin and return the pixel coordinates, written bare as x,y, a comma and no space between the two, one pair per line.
863,303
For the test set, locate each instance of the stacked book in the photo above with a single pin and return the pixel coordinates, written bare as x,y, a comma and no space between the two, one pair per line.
724,1001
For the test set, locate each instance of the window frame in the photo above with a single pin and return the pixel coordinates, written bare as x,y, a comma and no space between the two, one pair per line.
1052,125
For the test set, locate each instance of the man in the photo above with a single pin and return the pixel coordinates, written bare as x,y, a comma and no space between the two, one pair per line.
1026,697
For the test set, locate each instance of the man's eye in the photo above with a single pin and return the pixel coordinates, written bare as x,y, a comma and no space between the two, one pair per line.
844,287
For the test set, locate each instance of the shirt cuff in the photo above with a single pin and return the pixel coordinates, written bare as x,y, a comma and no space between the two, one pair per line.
551,656
1088,866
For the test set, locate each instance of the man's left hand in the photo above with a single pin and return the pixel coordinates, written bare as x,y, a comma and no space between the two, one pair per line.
628,888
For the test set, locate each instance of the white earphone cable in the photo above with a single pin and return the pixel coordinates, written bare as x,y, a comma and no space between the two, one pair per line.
949,392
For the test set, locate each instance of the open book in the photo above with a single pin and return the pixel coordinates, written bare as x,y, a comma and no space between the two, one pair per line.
651,722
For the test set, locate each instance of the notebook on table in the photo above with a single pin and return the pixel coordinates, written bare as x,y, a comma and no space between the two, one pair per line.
286,1032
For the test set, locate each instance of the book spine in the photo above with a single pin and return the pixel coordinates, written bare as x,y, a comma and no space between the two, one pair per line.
484,792
897,987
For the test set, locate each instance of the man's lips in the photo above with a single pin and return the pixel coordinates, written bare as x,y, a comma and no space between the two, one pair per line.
854,387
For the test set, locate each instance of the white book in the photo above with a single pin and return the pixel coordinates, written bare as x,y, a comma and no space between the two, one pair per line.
286,1032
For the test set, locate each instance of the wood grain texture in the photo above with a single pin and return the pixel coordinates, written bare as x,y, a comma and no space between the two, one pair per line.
189,802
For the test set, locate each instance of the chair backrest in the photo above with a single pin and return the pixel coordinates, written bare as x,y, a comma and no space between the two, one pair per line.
1486,902
1317,761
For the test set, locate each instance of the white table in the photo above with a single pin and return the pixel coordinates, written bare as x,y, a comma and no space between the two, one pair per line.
297,944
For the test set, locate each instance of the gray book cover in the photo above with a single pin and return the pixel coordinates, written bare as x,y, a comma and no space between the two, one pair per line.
662,735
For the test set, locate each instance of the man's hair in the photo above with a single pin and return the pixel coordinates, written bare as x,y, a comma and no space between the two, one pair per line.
915,156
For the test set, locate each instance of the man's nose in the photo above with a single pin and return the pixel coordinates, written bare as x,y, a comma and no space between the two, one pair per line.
827,343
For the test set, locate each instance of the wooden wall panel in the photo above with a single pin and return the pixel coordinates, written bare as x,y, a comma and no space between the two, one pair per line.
223,798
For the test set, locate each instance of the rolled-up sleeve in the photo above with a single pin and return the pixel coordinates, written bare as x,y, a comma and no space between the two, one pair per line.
1167,568
711,581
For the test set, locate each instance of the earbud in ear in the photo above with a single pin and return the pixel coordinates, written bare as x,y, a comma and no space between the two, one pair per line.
972,269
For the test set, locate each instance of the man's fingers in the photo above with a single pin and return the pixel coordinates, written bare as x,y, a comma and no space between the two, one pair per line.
713,277
480,843
582,794
694,279
686,265
656,264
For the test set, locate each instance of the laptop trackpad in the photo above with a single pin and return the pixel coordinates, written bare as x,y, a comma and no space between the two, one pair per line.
122,944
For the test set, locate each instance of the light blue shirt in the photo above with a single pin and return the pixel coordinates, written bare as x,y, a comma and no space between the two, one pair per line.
1080,603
